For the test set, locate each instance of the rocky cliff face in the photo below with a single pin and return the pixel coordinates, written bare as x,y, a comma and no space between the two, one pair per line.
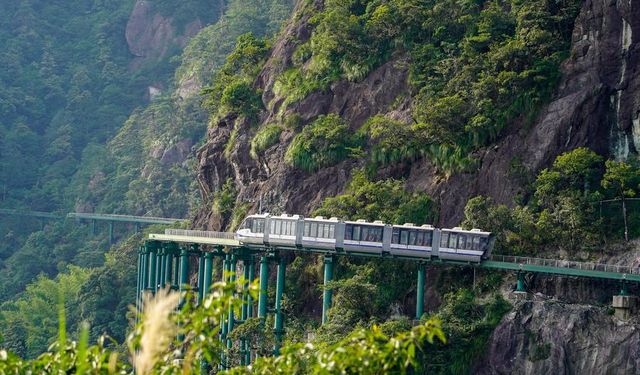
597,105
546,337
150,35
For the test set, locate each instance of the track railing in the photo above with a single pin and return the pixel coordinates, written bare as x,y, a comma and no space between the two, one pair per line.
587,266
200,233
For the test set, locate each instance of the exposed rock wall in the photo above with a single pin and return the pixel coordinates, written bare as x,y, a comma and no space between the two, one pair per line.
546,337
597,105
150,35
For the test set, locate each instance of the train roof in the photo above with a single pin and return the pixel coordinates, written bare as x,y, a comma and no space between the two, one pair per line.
413,226
460,230
364,222
332,219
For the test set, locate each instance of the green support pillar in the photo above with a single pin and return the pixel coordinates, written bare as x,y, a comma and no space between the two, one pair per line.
152,268
251,277
168,270
158,282
163,267
208,273
264,285
225,272
145,268
420,291
139,280
200,277
279,323
244,358
176,270
111,238
231,320
184,269
327,294
520,285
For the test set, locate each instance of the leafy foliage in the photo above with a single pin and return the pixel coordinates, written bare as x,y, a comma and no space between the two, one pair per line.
323,143
266,137
30,323
468,325
156,349
566,210
232,90
474,67
385,200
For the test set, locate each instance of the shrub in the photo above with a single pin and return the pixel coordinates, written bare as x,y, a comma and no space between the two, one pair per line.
241,98
265,138
225,198
324,143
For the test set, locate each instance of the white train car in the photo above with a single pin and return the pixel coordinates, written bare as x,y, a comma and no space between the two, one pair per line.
466,245
413,241
251,231
321,233
294,231
363,237
283,231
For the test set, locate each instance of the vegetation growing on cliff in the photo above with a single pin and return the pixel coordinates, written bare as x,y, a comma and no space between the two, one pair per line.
322,144
474,67
147,168
565,210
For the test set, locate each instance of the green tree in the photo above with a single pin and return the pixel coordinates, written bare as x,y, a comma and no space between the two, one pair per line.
622,180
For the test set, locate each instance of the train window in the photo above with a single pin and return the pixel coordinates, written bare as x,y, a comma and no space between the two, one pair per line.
378,234
453,239
356,233
247,223
412,237
483,243
347,231
314,230
307,229
469,242
476,243
258,226
444,239
395,235
420,238
364,234
462,239
325,232
404,237
332,231
428,238
289,231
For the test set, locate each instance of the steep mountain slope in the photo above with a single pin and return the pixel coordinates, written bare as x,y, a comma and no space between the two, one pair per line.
462,99
594,104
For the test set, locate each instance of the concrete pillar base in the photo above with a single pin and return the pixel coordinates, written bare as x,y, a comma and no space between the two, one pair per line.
625,306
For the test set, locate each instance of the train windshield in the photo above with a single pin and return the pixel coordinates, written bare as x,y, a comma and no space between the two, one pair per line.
255,225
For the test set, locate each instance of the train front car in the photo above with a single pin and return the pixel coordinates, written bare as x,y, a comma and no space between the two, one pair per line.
465,245
363,237
412,241
251,231
320,233
283,230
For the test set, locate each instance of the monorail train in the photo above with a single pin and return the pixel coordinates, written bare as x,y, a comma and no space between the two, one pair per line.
408,240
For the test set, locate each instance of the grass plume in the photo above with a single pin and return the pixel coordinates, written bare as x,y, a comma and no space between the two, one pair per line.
157,329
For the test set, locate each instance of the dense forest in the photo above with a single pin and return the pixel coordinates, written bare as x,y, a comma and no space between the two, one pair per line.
359,109
116,151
